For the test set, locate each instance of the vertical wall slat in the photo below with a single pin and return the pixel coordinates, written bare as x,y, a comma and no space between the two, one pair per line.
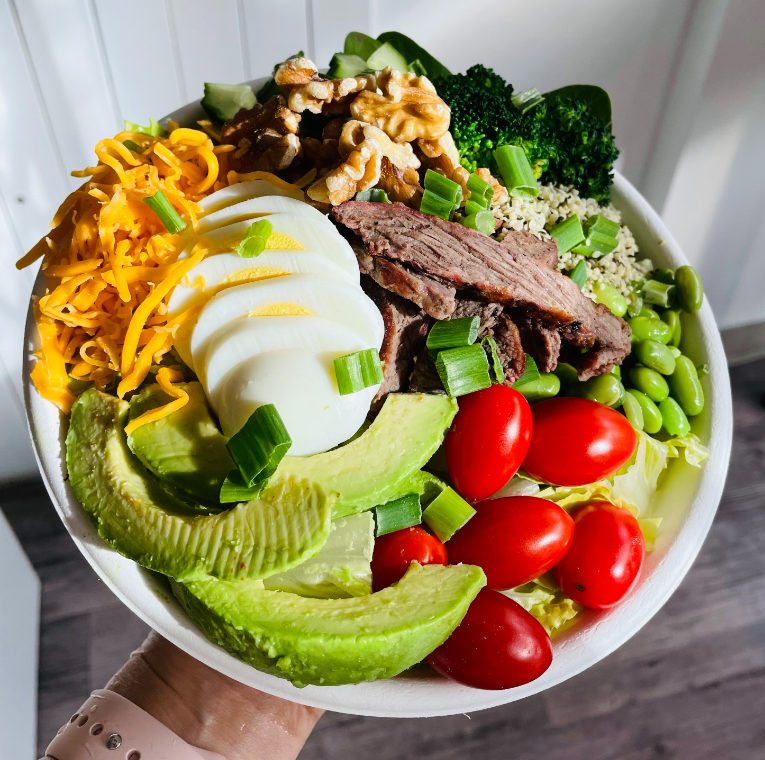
139,44
66,58
332,20
273,31
208,43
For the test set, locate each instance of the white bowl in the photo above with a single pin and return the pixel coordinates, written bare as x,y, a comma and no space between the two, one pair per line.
687,501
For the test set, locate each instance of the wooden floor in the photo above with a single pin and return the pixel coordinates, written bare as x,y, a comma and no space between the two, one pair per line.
690,685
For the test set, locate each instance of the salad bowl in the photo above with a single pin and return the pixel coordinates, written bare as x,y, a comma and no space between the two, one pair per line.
686,502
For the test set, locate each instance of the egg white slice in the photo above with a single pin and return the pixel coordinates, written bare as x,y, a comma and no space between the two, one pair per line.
302,386
257,207
243,190
311,295
312,235
244,339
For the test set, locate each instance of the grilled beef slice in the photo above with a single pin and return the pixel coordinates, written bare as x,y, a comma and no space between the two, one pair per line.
459,257
542,252
542,342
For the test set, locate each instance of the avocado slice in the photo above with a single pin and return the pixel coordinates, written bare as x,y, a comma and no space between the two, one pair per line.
373,468
185,450
334,641
288,523
370,469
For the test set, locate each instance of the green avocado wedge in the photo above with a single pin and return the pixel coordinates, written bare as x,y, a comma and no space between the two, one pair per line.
185,450
373,468
334,641
288,523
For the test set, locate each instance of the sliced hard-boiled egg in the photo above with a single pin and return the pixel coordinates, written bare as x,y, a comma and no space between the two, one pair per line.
288,232
243,190
302,386
306,294
257,207
244,339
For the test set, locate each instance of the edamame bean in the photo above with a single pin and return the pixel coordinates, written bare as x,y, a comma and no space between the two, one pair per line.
647,328
673,417
633,411
546,385
605,389
566,373
656,356
647,311
610,297
652,420
675,351
616,371
634,304
686,386
689,289
671,317
650,382
666,276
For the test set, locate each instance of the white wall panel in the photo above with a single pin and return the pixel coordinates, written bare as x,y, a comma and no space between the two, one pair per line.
271,32
63,44
626,47
209,43
141,53
332,20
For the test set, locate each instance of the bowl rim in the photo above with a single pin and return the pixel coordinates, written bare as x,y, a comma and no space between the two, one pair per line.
408,695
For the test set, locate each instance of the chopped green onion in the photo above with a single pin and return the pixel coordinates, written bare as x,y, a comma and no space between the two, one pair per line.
530,375
658,293
134,146
447,513
463,370
375,195
154,129
398,514
483,221
436,205
357,371
169,217
416,67
472,207
496,362
260,445
663,275
255,239
610,297
634,304
516,171
480,190
443,186
602,225
234,488
596,242
567,233
579,274
527,99
451,333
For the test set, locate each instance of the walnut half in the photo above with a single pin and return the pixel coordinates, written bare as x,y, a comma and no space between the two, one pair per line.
406,108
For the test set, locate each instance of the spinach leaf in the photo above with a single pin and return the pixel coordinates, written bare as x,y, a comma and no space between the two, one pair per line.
412,51
360,44
595,97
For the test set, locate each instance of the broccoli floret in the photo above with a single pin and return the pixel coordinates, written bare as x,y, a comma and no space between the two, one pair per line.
564,142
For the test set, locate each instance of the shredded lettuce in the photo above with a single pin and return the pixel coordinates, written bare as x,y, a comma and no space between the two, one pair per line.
341,569
550,607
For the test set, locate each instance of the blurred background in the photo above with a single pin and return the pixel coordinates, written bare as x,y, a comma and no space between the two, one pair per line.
687,81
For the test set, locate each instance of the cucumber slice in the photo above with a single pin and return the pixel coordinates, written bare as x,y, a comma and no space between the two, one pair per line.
342,66
224,101
387,55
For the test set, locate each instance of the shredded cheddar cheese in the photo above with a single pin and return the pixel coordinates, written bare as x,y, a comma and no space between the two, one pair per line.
165,379
111,265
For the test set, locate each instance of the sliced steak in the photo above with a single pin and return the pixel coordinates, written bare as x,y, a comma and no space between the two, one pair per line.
406,328
470,307
467,259
509,347
542,252
433,297
542,342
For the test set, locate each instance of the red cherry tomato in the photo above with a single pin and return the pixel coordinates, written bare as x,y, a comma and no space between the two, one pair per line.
394,552
514,539
606,556
487,440
577,441
497,645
